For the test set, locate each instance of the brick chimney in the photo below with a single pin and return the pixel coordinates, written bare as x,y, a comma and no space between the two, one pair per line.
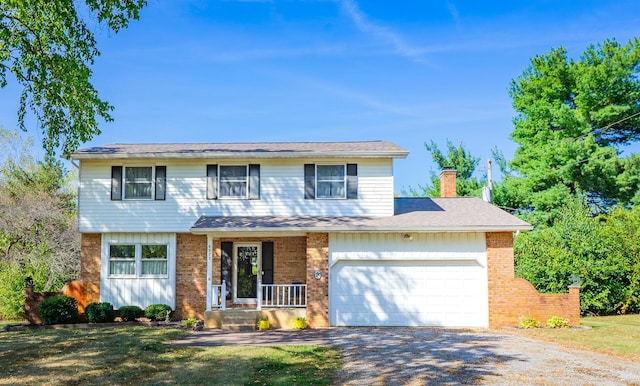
448,182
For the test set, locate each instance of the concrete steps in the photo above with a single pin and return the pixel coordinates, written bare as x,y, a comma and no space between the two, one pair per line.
239,320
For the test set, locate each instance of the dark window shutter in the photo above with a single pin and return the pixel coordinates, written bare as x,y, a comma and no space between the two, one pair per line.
212,182
309,181
352,181
161,182
267,262
226,260
116,183
254,182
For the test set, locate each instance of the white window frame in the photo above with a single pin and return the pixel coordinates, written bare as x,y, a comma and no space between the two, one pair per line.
138,261
344,182
246,182
124,182
135,268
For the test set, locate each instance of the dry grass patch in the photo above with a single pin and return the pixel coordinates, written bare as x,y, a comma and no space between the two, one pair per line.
617,335
138,355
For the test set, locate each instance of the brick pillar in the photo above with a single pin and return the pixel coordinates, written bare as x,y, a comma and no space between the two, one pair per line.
91,245
318,289
191,275
500,272
448,183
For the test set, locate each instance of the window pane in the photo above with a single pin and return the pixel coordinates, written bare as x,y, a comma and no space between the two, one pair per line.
154,267
120,267
138,182
233,172
331,172
330,190
154,251
122,251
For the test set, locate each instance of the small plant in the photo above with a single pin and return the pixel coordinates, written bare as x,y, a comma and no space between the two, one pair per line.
59,310
157,312
189,323
100,313
300,323
130,313
263,324
557,322
528,322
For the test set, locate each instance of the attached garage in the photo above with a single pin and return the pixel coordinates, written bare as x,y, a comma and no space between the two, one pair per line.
420,279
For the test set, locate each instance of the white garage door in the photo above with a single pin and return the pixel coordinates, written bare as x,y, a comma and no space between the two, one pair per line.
408,293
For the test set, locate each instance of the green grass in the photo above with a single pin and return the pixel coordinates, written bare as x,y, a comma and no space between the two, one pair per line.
138,355
617,335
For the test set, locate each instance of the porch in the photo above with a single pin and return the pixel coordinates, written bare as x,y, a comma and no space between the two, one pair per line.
279,303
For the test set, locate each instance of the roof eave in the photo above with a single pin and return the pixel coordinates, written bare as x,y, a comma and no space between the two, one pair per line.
370,229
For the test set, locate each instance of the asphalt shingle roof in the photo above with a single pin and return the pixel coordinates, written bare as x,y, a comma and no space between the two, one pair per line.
264,149
411,214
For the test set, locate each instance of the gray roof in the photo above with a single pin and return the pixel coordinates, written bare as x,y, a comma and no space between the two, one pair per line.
460,214
244,150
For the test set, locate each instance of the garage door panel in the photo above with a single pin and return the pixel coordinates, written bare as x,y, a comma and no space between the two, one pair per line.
409,293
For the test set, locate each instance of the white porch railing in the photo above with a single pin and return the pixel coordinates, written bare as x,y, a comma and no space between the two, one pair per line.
283,295
219,295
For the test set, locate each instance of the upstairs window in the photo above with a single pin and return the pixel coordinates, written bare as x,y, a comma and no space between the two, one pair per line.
138,182
233,181
330,181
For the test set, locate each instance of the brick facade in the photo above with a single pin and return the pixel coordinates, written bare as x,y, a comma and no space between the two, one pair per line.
191,275
89,281
511,297
318,289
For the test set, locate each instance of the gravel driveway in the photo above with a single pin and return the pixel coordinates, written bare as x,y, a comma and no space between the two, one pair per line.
417,356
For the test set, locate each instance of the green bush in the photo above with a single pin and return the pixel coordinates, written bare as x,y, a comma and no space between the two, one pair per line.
557,322
157,311
188,323
130,313
528,322
300,323
100,313
59,310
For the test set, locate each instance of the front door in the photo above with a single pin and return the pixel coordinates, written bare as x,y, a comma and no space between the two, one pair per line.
246,266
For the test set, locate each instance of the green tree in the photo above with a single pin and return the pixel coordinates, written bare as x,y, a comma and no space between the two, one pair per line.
38,236
571,117
49,49
460,159
600,249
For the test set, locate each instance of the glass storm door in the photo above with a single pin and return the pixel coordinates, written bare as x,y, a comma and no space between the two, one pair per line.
246,265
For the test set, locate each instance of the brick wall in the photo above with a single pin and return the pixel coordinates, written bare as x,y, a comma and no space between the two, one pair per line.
89,270
191,275
511,297
318,289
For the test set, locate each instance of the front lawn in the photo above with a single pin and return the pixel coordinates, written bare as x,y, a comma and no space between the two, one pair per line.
138,355
618,335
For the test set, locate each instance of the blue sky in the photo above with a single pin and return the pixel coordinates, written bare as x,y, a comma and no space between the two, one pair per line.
404,71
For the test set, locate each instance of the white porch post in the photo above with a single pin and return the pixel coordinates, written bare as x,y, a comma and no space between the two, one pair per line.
209,271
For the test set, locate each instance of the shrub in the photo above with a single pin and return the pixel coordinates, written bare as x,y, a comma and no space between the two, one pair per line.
263,324
100,313
130,313
188,323
59,310
557,322
300,323
528,322
157,311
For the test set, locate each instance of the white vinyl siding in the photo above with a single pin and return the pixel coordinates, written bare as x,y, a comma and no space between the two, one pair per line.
437,279
148,279
281,194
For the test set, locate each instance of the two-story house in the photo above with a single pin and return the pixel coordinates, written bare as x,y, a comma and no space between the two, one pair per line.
312,228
